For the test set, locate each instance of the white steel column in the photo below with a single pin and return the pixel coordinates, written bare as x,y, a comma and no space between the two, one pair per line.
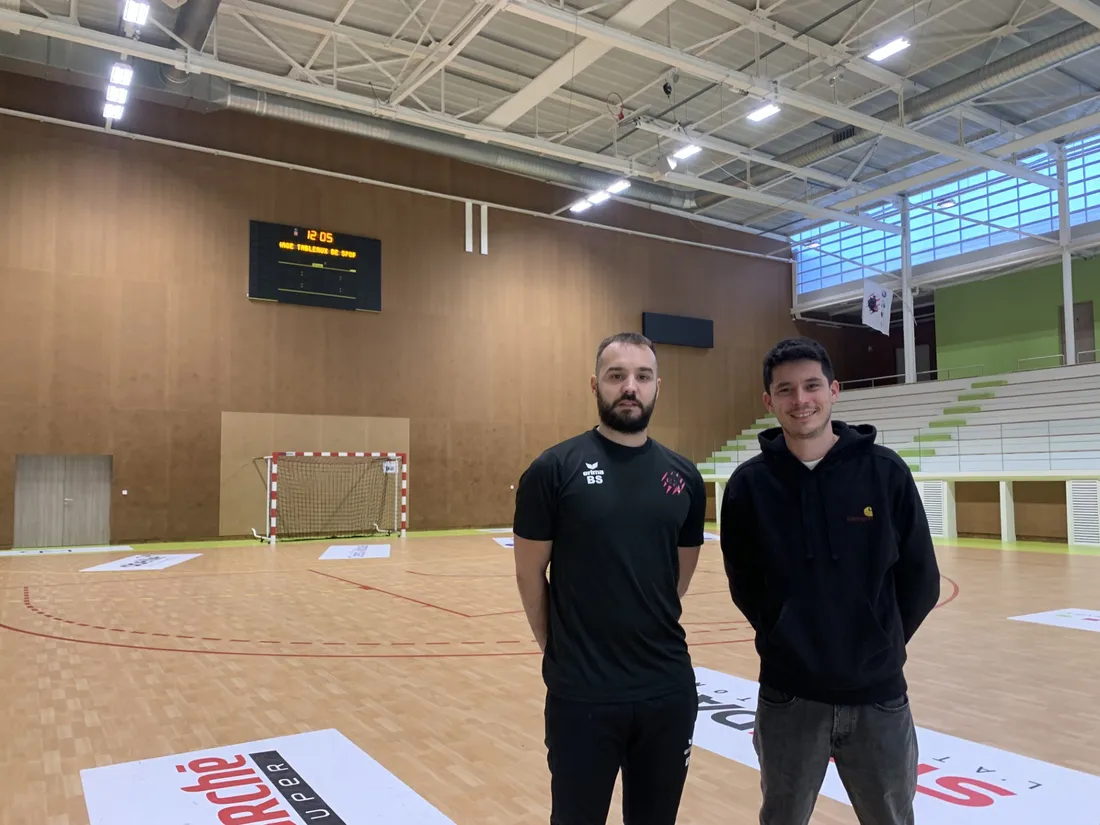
1008,512
1067,262
908,323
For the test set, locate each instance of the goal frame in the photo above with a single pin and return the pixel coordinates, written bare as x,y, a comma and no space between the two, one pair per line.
401,498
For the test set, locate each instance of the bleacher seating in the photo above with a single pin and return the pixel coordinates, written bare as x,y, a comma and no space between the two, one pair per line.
1023,421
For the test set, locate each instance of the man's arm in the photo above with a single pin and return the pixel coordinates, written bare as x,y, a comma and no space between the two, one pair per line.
744,570
916,574
533,528
532,559
690,541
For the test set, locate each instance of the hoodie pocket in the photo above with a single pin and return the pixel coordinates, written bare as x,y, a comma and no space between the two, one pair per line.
838,642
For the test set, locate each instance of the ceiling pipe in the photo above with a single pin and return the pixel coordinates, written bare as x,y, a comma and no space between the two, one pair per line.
193,24
255,102
1038,57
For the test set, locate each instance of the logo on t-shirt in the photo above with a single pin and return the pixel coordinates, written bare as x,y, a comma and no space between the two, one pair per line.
674,483
593,475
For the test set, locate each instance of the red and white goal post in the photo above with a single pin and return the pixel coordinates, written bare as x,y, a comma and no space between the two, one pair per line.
325,495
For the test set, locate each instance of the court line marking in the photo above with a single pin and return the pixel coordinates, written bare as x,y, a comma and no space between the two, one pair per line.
420,602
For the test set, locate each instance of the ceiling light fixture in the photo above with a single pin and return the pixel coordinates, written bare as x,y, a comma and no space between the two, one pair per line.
893,47
765,111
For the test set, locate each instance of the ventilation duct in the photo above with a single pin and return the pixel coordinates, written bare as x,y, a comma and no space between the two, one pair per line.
193,24
251,101
1027,61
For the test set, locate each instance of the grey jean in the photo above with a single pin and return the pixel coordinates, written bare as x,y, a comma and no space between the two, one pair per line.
874,747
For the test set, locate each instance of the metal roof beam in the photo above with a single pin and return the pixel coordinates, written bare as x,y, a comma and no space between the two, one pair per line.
836,55
744,153
1085,9
633,16
932,176
483,72
786,204
447,49
739,81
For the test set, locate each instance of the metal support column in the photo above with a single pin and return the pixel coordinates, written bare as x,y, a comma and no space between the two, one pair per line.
908,325
1067,262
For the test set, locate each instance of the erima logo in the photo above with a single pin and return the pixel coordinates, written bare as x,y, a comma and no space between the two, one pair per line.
593,475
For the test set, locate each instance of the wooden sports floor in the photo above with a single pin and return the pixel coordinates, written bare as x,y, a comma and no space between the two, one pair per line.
425,662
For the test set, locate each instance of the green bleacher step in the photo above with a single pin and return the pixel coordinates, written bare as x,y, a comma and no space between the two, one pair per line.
914,467
915,452
947,422
994,382
933,437
977,396
962,409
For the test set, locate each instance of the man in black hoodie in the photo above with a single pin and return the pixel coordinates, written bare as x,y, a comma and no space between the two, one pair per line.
829,556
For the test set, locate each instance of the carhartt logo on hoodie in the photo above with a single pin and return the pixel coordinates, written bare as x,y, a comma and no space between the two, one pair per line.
868,515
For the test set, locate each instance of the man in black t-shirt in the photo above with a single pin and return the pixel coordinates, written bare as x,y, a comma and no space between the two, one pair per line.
618,519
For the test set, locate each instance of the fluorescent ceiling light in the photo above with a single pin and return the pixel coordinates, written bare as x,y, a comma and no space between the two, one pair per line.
112,111
116,94
685,152
619,186
765,111
135,12
580,206
121,74
891,48
599,197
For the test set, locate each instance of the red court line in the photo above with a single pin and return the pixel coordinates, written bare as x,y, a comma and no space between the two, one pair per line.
416,601
461,575
267,655
954,592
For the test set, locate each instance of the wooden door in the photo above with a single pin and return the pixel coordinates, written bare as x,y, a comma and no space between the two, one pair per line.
87,500
39,500
62,501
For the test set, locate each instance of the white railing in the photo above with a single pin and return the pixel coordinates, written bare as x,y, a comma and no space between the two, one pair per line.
968,371
1023,446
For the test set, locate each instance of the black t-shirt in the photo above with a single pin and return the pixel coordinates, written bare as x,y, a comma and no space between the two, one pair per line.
616,515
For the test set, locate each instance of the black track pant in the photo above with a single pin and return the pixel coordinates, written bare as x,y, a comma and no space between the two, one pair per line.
587,744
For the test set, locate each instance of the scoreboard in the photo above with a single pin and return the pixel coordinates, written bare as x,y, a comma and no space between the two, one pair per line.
314,267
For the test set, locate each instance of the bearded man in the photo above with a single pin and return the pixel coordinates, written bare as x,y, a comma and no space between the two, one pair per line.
618,519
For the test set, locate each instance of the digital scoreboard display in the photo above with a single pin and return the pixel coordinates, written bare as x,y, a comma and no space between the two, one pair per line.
314,267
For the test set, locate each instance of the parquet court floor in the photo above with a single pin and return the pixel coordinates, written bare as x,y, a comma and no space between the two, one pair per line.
425,662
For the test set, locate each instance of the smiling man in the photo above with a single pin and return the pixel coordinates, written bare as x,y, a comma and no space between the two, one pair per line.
618,519
829,556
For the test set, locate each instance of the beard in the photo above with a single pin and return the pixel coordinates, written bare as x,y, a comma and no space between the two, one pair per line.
622,419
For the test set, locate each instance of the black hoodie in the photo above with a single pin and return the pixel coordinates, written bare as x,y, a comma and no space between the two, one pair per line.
834,567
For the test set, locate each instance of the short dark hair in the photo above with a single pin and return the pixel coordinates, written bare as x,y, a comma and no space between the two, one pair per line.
796,349
634,338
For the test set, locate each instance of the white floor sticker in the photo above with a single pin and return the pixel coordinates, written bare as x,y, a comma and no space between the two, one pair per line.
961,782
357,551
711,537
1072,617
61,551
319,776
142,562
508,542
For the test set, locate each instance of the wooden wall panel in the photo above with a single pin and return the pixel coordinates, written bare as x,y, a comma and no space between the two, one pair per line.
1041,512
246,437
131,261
978,509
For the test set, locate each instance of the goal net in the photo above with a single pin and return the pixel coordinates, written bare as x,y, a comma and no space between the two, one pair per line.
336,495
